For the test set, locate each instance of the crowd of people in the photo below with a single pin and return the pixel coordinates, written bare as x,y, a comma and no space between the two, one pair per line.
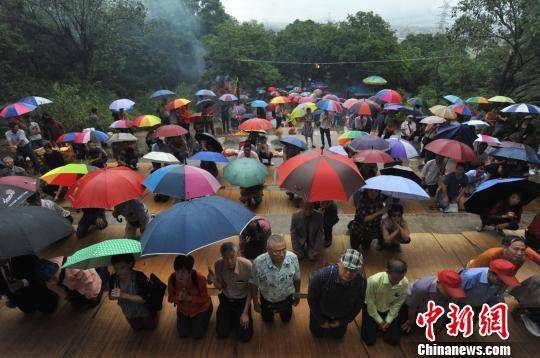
257,270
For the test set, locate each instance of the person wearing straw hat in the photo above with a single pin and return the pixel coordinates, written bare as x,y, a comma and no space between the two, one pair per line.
336,295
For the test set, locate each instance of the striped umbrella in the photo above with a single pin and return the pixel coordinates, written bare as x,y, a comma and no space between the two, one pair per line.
69,137
319,176
16,109
362,105
522,108
372,157
349,136
463,109
477,100
228,97
35,101
333,97
177,103
389,96
374,80
90,134
329,105
402,149
205,92
453,99
501,99
67,175
121,124
350,102
146,120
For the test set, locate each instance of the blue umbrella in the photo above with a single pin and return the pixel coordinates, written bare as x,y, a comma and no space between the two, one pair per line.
368,142
124,103
456,131
294,142
397,187
524,153
164,93
259,104
35,101
453,99
205,92
210,157
493,191
193,224
522,108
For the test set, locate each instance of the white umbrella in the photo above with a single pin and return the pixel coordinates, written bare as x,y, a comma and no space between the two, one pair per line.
161,157
338,150
123,103
487,139
396,187
477,123
433,120
122,137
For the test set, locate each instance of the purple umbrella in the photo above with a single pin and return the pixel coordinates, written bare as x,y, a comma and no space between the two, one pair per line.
397,107
369,142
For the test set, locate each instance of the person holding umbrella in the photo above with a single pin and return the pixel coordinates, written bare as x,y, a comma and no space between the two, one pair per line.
163,112
505,214
366,225
96,156
130,289
307,232
307,129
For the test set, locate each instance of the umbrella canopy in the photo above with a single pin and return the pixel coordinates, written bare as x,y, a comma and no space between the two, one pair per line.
161,157
16,110
298,143
329,105
279,100
23,182
372,157
169,130
122,137
228,97
29,229
245,172
203,103
443,111
69,137
494,191
522,108
300,110
35,101
402,171
460,132
374,80
212,143
396,187
121,124
182,182
365,108
146,120
124,103
501,99
205,92
13,196
255,124
476,123
318,177
333,97
307,99
162,94
369,142
193,224
259,104
90,134
177,103
477,100
463,109
487,139
452,149
389,96
453,99
350,102
525,154
349,136
402,149
100,254
106,188
397,107
210,157
67,175
337,149
415,101
433,120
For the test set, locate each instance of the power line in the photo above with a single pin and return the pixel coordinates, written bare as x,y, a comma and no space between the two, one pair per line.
347,62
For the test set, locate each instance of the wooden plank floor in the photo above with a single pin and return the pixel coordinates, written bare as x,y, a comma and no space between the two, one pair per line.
104,332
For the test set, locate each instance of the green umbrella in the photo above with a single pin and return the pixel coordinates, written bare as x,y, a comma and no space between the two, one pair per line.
501,99
416,101
245,172
99,255
374,80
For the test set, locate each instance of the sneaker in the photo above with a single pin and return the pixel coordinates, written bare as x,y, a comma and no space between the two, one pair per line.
480,228
452,208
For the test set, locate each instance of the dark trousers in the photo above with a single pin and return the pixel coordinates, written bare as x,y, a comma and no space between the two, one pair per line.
317,331
27,151
225,123
209,126
370,329
328,233
284,308
327,132
196,326
228,318
31,299
432,189
512,224
143,323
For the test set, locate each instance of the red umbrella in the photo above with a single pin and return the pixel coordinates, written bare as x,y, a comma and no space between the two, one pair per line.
452,149
255,124
26,183
106,188
319,176
372,157
170,130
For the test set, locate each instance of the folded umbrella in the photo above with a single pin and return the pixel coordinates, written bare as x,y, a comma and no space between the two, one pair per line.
29,229
35,101
161,157
494,191
255,124
67,175
182,182
319,176
162,94
371,156
124,103
295,142
349,136
194,224
122,137
210,157
169,130
100,254
524,154
369,142
402,171
106,188
16,110
23,182
402,149
245,172
452,149
13,196
397,187
146,120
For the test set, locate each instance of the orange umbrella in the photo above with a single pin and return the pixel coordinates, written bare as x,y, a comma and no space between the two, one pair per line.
177,103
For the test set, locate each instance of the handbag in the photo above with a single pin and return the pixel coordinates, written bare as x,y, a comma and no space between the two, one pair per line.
156,291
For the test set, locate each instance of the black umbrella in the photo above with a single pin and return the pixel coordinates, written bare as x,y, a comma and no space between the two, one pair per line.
493,191
456,131
212,143
203,103
13,196
402,171
29,229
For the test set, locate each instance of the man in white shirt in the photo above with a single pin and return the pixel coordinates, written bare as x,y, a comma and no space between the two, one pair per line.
17,138
247,152
431,173
408,128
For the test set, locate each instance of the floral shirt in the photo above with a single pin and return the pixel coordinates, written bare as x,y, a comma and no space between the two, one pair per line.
275,284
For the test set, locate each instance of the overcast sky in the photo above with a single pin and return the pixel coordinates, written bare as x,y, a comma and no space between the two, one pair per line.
410,12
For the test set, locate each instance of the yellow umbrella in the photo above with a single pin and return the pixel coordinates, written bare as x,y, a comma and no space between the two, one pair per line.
443,111
279,100
300,110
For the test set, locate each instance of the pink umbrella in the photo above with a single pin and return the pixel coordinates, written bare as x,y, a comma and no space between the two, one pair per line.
350,102
487,139
332,97
307,99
